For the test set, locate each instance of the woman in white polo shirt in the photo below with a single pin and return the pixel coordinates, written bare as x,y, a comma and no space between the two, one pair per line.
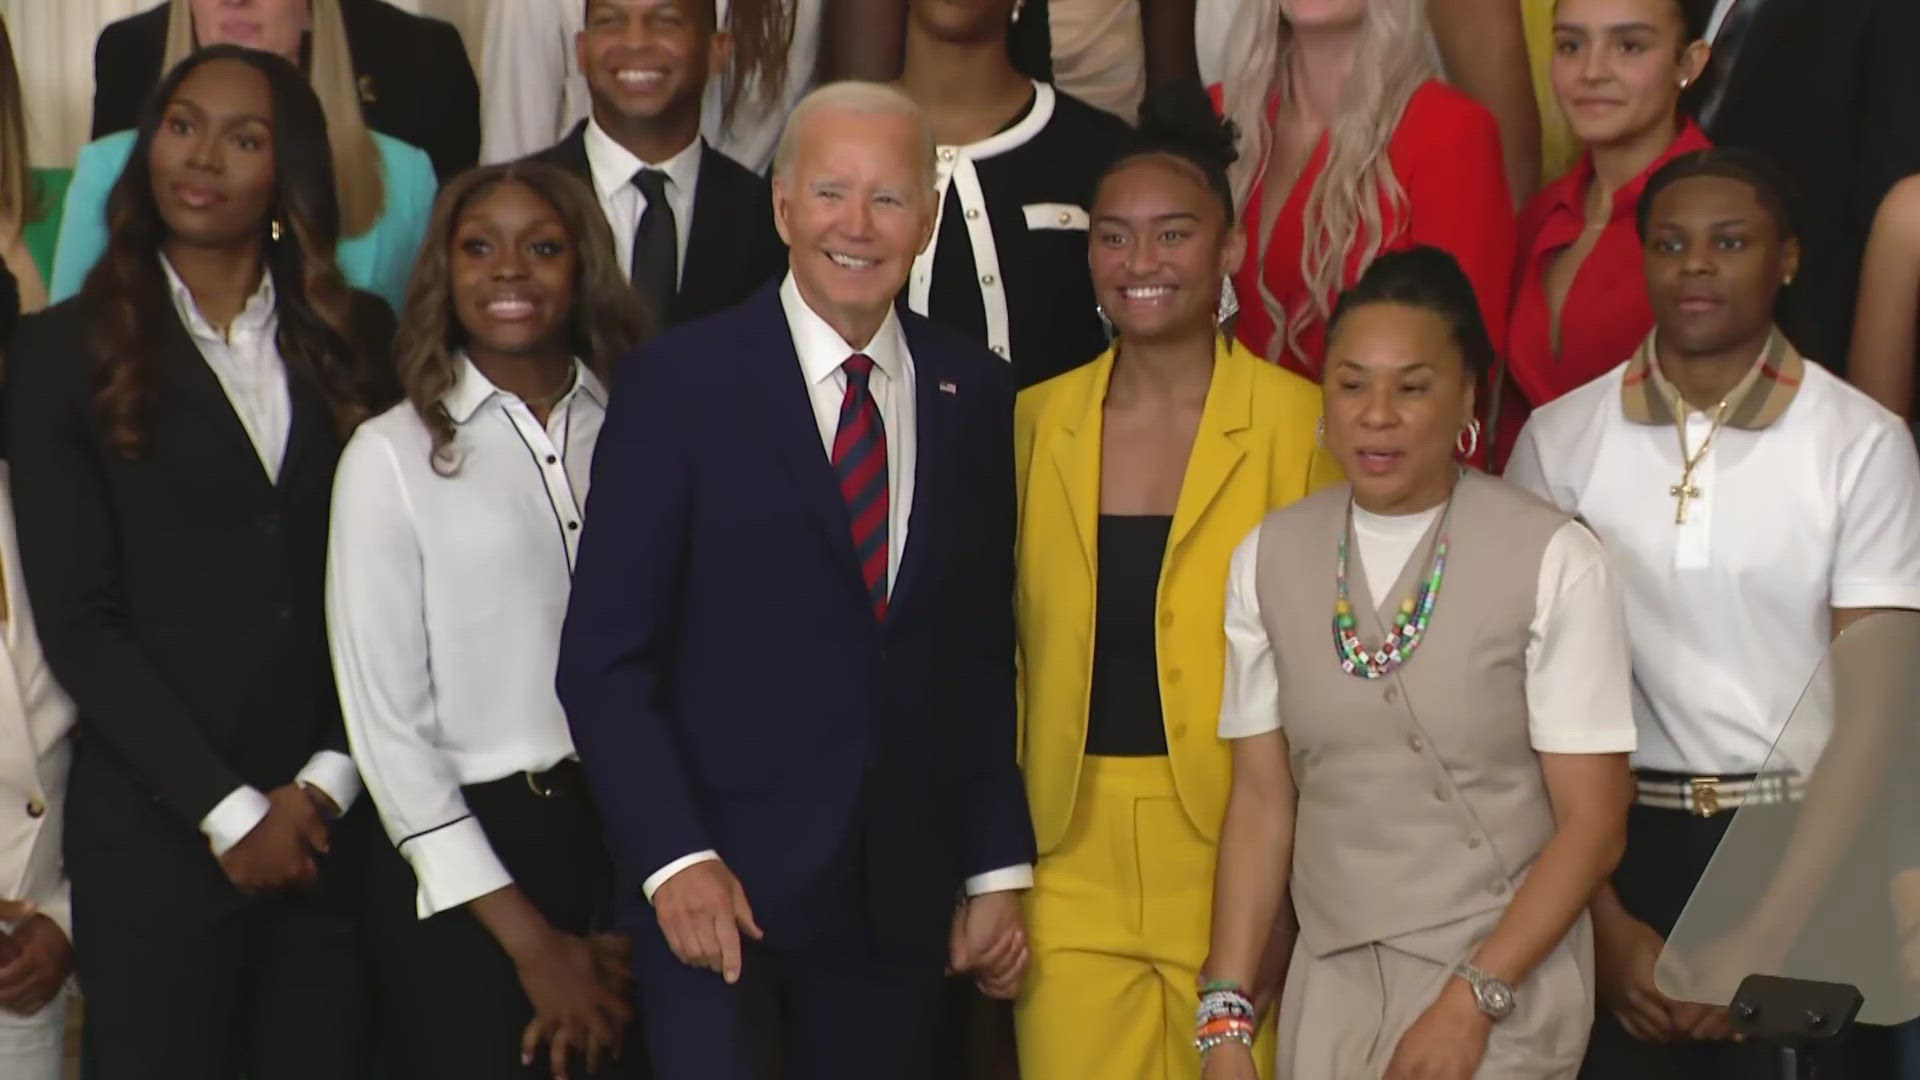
1780,507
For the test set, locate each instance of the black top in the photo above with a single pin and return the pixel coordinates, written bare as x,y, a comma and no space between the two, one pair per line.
416,84
1029,173
1123,712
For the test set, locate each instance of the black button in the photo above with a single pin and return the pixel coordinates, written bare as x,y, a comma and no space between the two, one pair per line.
573,525
283,612
551,459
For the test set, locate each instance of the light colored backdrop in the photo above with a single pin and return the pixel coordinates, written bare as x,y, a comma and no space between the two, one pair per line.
53,46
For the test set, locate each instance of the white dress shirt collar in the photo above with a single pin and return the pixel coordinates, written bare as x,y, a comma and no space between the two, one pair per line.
614,165
821,348
471,389
259,313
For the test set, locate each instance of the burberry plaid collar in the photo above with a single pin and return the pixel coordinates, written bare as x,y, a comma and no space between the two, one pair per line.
1760,398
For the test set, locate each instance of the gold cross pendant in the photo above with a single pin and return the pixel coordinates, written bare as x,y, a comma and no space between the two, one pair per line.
1685,492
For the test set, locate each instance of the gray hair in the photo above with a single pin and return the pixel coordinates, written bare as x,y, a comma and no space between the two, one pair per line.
860,99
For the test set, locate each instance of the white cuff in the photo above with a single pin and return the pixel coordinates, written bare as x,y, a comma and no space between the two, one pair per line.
334,773
453,864
661,876
233,818
1006,879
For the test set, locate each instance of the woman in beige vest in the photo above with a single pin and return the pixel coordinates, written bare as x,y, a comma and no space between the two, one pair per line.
1432,770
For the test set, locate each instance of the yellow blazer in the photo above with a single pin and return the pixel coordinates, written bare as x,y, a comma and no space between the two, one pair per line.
1255,450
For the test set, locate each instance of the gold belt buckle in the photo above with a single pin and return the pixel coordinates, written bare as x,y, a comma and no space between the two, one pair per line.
1705,795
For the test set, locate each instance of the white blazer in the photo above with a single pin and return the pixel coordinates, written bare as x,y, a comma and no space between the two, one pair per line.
36,718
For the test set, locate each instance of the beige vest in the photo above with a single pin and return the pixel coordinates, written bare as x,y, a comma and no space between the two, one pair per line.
1421,800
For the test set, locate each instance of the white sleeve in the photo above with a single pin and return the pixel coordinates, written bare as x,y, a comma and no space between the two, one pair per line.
1525,468
1579,668
523,69
1876,562
1250,691
376,622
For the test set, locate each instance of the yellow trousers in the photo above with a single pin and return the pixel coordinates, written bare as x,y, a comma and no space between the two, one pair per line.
1119,917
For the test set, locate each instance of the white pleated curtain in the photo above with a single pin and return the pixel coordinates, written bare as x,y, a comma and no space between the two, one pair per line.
53,46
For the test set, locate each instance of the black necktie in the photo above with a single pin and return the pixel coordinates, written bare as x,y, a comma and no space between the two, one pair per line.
656,243
1726,53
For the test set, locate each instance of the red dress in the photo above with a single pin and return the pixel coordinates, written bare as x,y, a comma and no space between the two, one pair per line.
1446,154
1606,314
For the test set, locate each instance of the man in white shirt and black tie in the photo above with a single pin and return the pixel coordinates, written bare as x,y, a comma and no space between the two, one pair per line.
693,225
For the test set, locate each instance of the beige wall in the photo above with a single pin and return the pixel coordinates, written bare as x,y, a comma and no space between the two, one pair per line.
53,46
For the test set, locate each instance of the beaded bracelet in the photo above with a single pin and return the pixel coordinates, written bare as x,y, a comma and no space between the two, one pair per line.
1219,1003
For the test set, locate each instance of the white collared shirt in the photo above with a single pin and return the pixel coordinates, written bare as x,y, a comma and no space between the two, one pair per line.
954,170
1576,686
445,597
822,351
1730,613
246,360
614,167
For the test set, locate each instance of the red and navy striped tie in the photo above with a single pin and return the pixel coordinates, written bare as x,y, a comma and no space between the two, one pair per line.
860,460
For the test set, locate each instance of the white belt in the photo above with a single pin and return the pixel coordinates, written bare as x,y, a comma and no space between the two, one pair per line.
1707,796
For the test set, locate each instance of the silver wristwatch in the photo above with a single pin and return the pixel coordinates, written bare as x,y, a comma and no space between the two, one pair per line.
1494,996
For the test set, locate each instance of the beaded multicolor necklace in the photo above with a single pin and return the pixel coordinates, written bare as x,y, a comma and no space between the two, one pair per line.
1409,623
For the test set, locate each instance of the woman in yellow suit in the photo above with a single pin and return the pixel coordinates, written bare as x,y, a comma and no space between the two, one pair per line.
1138,474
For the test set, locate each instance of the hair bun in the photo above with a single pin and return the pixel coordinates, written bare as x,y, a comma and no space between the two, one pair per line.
1178,117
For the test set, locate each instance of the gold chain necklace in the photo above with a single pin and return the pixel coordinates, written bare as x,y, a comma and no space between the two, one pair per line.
1685,491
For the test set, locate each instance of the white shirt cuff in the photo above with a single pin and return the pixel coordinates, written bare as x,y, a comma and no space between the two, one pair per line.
1005,879
452,865
334,773
233,818
662,875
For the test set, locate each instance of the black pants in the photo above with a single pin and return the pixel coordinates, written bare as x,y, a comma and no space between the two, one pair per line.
451,1002
1667,852
184,978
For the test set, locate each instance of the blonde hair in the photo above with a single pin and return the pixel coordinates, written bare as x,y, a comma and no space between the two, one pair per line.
860,99
19,200
356,157
1395,55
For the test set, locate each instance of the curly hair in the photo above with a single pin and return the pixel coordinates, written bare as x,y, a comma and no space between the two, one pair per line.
127,292
607,319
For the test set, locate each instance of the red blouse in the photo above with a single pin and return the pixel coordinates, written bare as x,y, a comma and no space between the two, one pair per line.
1446,155
1606,314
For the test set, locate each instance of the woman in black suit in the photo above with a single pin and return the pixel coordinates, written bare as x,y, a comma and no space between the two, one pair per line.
173,432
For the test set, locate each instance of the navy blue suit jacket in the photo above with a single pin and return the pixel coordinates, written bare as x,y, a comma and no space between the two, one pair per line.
726,682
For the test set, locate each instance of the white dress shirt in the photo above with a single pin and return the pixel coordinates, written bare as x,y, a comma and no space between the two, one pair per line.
623,202
533,93
1577,682
531,89
445,597
822,351
1719,18
1730,613
246,360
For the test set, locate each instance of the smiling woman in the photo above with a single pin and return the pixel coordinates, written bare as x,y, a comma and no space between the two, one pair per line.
455,522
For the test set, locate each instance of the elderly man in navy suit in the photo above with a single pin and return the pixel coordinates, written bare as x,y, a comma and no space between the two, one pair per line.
788,662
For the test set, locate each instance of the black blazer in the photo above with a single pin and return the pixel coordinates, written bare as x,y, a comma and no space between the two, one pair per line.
179,596
734,248
416,84
1830,91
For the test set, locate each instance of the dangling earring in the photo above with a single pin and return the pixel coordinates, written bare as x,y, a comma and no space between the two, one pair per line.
1468,441
1106,324
1320,433
1229,304
273,230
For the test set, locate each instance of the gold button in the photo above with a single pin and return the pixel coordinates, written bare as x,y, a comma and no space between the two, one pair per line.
1178,728
1166,618
986,279
1066,218
36,808
973,215
1415,743
1173,676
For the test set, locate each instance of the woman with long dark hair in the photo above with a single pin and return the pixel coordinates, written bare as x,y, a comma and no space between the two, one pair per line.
455,520
173,431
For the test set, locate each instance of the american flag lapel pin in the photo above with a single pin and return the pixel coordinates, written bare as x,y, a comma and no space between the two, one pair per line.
948,388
